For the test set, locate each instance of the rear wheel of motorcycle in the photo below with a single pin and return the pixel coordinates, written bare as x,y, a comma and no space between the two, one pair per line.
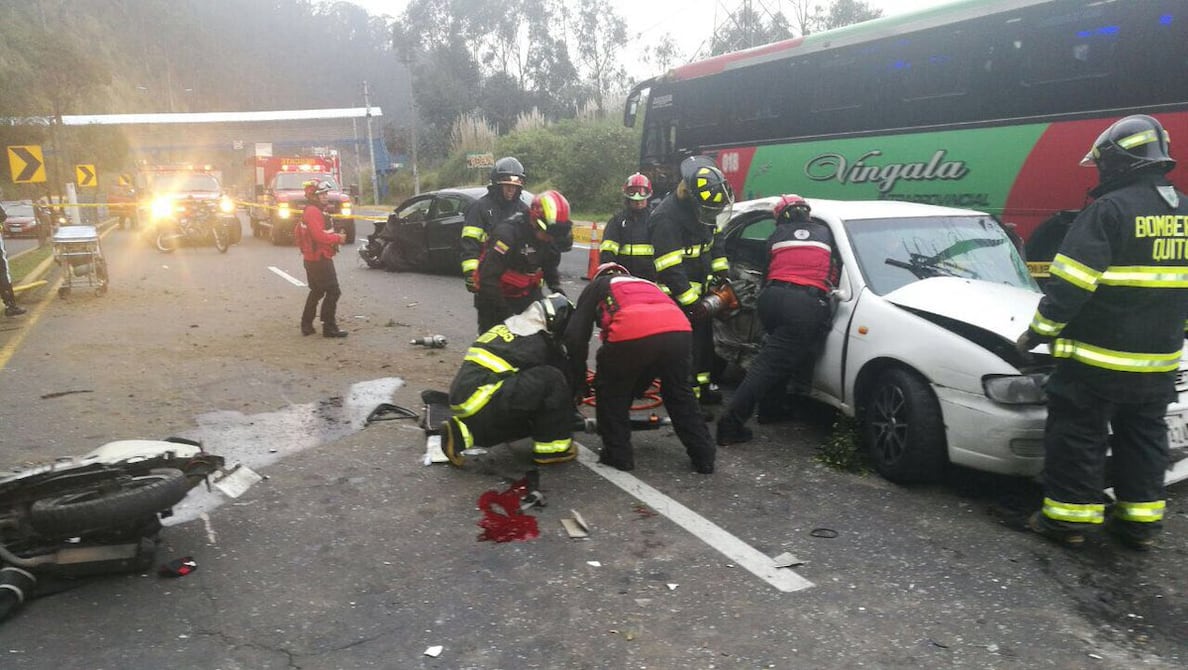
109,503
220,238
166,241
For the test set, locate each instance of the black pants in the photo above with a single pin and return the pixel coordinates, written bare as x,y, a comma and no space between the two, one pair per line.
621,365
492,312
6,292
794,319
323,283
702,344
535,403
1076,437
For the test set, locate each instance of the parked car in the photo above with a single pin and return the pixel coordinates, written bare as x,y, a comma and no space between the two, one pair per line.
422,234
21,221
921,347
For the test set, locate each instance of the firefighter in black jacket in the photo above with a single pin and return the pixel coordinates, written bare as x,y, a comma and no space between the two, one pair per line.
521,253
683,230
793,307
502,202
644,335
625,238
512,385
1113,315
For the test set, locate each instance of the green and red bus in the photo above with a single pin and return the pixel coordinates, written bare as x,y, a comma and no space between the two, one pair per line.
985,104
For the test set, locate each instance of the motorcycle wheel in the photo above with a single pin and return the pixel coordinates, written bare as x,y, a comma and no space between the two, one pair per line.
166,241
109,503
220,238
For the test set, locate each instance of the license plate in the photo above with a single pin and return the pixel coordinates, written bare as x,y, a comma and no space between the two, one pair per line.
1177,430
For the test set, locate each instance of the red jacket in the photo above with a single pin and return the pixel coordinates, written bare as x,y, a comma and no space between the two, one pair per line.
316,242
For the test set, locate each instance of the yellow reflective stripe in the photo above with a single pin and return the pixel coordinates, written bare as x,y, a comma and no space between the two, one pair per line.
693,251
609,246
1074,513
554,447
688,297
1132,141
467,437
470,265
667,291
488,360
1141,512
476,401
638,250
1045,326
475,232
1122,361
720,264
1074,272
668,260
696,286
1147,276
703,377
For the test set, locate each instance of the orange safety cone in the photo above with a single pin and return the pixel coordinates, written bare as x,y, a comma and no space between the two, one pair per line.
592,262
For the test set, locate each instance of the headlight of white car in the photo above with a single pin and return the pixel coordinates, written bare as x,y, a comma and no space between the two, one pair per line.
1016,389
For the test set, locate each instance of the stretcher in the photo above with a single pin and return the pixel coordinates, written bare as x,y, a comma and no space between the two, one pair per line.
77,250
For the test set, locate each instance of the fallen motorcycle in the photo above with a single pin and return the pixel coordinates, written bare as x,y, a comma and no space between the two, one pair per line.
195,222
95,514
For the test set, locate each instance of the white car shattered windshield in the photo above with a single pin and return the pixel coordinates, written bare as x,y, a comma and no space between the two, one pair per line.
895,252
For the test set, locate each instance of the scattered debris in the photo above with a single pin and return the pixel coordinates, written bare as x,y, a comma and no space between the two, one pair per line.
1095,657
59,394
431,341
827,533
434,651
433,452
178,567
577,526
594,564
236,480
673,587
643,510
786,560
386,411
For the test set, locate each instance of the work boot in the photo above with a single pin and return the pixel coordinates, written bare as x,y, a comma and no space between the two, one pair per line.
710,395
307,329
559,457
732,431
14,310
331,330
703,468
1128,538
624,465
1071,539
452,442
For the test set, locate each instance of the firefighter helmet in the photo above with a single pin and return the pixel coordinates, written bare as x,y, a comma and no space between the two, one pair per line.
556,309
314,187
508,170
637,187
548,209
609,269
1129,145
791,208
707,187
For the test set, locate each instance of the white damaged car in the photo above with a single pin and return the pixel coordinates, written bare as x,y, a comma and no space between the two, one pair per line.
921,346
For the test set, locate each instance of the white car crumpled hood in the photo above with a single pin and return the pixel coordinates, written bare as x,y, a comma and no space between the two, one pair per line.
998,308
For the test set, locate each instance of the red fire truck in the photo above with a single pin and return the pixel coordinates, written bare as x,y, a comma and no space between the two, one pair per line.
280,194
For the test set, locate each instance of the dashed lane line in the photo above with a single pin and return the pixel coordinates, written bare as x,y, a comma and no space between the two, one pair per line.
705,530
286,276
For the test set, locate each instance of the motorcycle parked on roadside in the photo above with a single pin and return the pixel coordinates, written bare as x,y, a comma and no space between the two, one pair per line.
94,514
196,222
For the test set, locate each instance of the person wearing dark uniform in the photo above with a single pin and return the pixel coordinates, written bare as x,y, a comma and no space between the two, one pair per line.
625,237
501,203
682,230
644,335
522,253
512,385
1113,315
793,308
11,308
318,247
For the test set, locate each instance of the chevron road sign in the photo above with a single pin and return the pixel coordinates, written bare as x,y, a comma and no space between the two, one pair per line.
85,175
26,164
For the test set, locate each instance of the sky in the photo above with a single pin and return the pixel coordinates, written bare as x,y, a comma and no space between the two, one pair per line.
690,22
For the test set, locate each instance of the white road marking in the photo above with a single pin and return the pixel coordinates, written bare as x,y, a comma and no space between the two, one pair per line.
210,534
728,545
287,277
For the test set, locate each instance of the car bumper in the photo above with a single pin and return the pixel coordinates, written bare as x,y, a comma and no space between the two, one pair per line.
985,435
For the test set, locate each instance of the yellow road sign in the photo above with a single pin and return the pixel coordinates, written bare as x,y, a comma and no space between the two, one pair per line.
85,175
26,164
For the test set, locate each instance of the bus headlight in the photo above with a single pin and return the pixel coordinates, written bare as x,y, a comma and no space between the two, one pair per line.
162,208
283,211
226,205
1016,389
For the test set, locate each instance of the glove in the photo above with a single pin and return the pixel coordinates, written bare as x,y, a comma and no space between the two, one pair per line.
557,289
471,282
1027,341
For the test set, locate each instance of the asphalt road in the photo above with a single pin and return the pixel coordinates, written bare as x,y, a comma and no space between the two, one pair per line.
352,553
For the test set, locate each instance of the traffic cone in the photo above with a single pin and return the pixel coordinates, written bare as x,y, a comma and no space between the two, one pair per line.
592,262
